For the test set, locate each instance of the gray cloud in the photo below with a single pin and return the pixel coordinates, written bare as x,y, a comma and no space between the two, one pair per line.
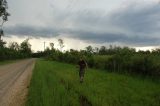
114,38
22,30
136,24
143,19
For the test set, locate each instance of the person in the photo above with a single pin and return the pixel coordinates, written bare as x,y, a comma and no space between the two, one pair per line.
82,66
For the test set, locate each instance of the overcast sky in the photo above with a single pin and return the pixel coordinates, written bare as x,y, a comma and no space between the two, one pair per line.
134,23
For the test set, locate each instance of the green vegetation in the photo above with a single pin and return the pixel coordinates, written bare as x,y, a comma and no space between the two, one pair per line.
15,51
7,62
57,84
114,59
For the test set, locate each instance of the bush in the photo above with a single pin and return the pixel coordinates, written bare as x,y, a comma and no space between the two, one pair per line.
122,60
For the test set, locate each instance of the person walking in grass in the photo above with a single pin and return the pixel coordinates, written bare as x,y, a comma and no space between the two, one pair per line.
82,66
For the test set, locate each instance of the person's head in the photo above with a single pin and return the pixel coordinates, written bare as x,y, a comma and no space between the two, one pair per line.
82,58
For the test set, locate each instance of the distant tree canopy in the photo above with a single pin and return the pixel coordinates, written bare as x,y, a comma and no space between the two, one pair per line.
61,43
52,45
112,58
3,10
25,47
89,49
14,46
4,16
2,43
16,51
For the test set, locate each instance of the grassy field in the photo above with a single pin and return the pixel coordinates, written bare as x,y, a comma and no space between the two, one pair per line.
57,84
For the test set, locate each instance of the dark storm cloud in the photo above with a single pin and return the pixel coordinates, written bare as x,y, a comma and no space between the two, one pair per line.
137,24
138,19
115,37
22,30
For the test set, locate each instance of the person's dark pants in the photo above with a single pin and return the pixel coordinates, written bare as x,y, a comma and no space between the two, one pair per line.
81,74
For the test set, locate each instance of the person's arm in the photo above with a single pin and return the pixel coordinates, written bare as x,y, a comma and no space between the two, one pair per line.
86,64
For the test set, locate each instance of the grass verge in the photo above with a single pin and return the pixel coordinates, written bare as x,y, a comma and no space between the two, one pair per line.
7,62
57,84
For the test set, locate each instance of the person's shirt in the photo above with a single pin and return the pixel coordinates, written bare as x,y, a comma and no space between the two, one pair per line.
82,64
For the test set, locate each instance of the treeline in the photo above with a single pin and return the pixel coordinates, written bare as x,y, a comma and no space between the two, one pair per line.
113,59
14,50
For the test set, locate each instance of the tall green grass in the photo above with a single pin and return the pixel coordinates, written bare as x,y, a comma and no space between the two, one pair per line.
57,84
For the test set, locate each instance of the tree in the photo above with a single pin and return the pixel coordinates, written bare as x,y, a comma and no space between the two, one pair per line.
96,50
61,43
3,14
3,10
52,46
14,46
102,50
25,47
89,49
2,44
156,51
1,33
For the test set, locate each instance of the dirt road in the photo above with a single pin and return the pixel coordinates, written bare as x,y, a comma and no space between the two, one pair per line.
14,82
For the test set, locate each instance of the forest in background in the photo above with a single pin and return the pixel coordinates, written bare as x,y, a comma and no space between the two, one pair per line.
112,58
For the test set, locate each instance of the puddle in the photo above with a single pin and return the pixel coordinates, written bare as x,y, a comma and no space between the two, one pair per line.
83,101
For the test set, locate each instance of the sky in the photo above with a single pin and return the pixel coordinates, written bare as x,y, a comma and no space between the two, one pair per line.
133,23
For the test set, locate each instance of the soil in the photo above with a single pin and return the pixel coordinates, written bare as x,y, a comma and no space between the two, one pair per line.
14,82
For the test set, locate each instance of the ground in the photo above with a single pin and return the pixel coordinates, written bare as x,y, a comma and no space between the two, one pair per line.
14,82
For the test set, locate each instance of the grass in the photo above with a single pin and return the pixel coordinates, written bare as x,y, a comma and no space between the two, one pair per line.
7,62
57,84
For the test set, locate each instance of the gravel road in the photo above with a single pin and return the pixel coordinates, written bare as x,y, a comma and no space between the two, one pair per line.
14,82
